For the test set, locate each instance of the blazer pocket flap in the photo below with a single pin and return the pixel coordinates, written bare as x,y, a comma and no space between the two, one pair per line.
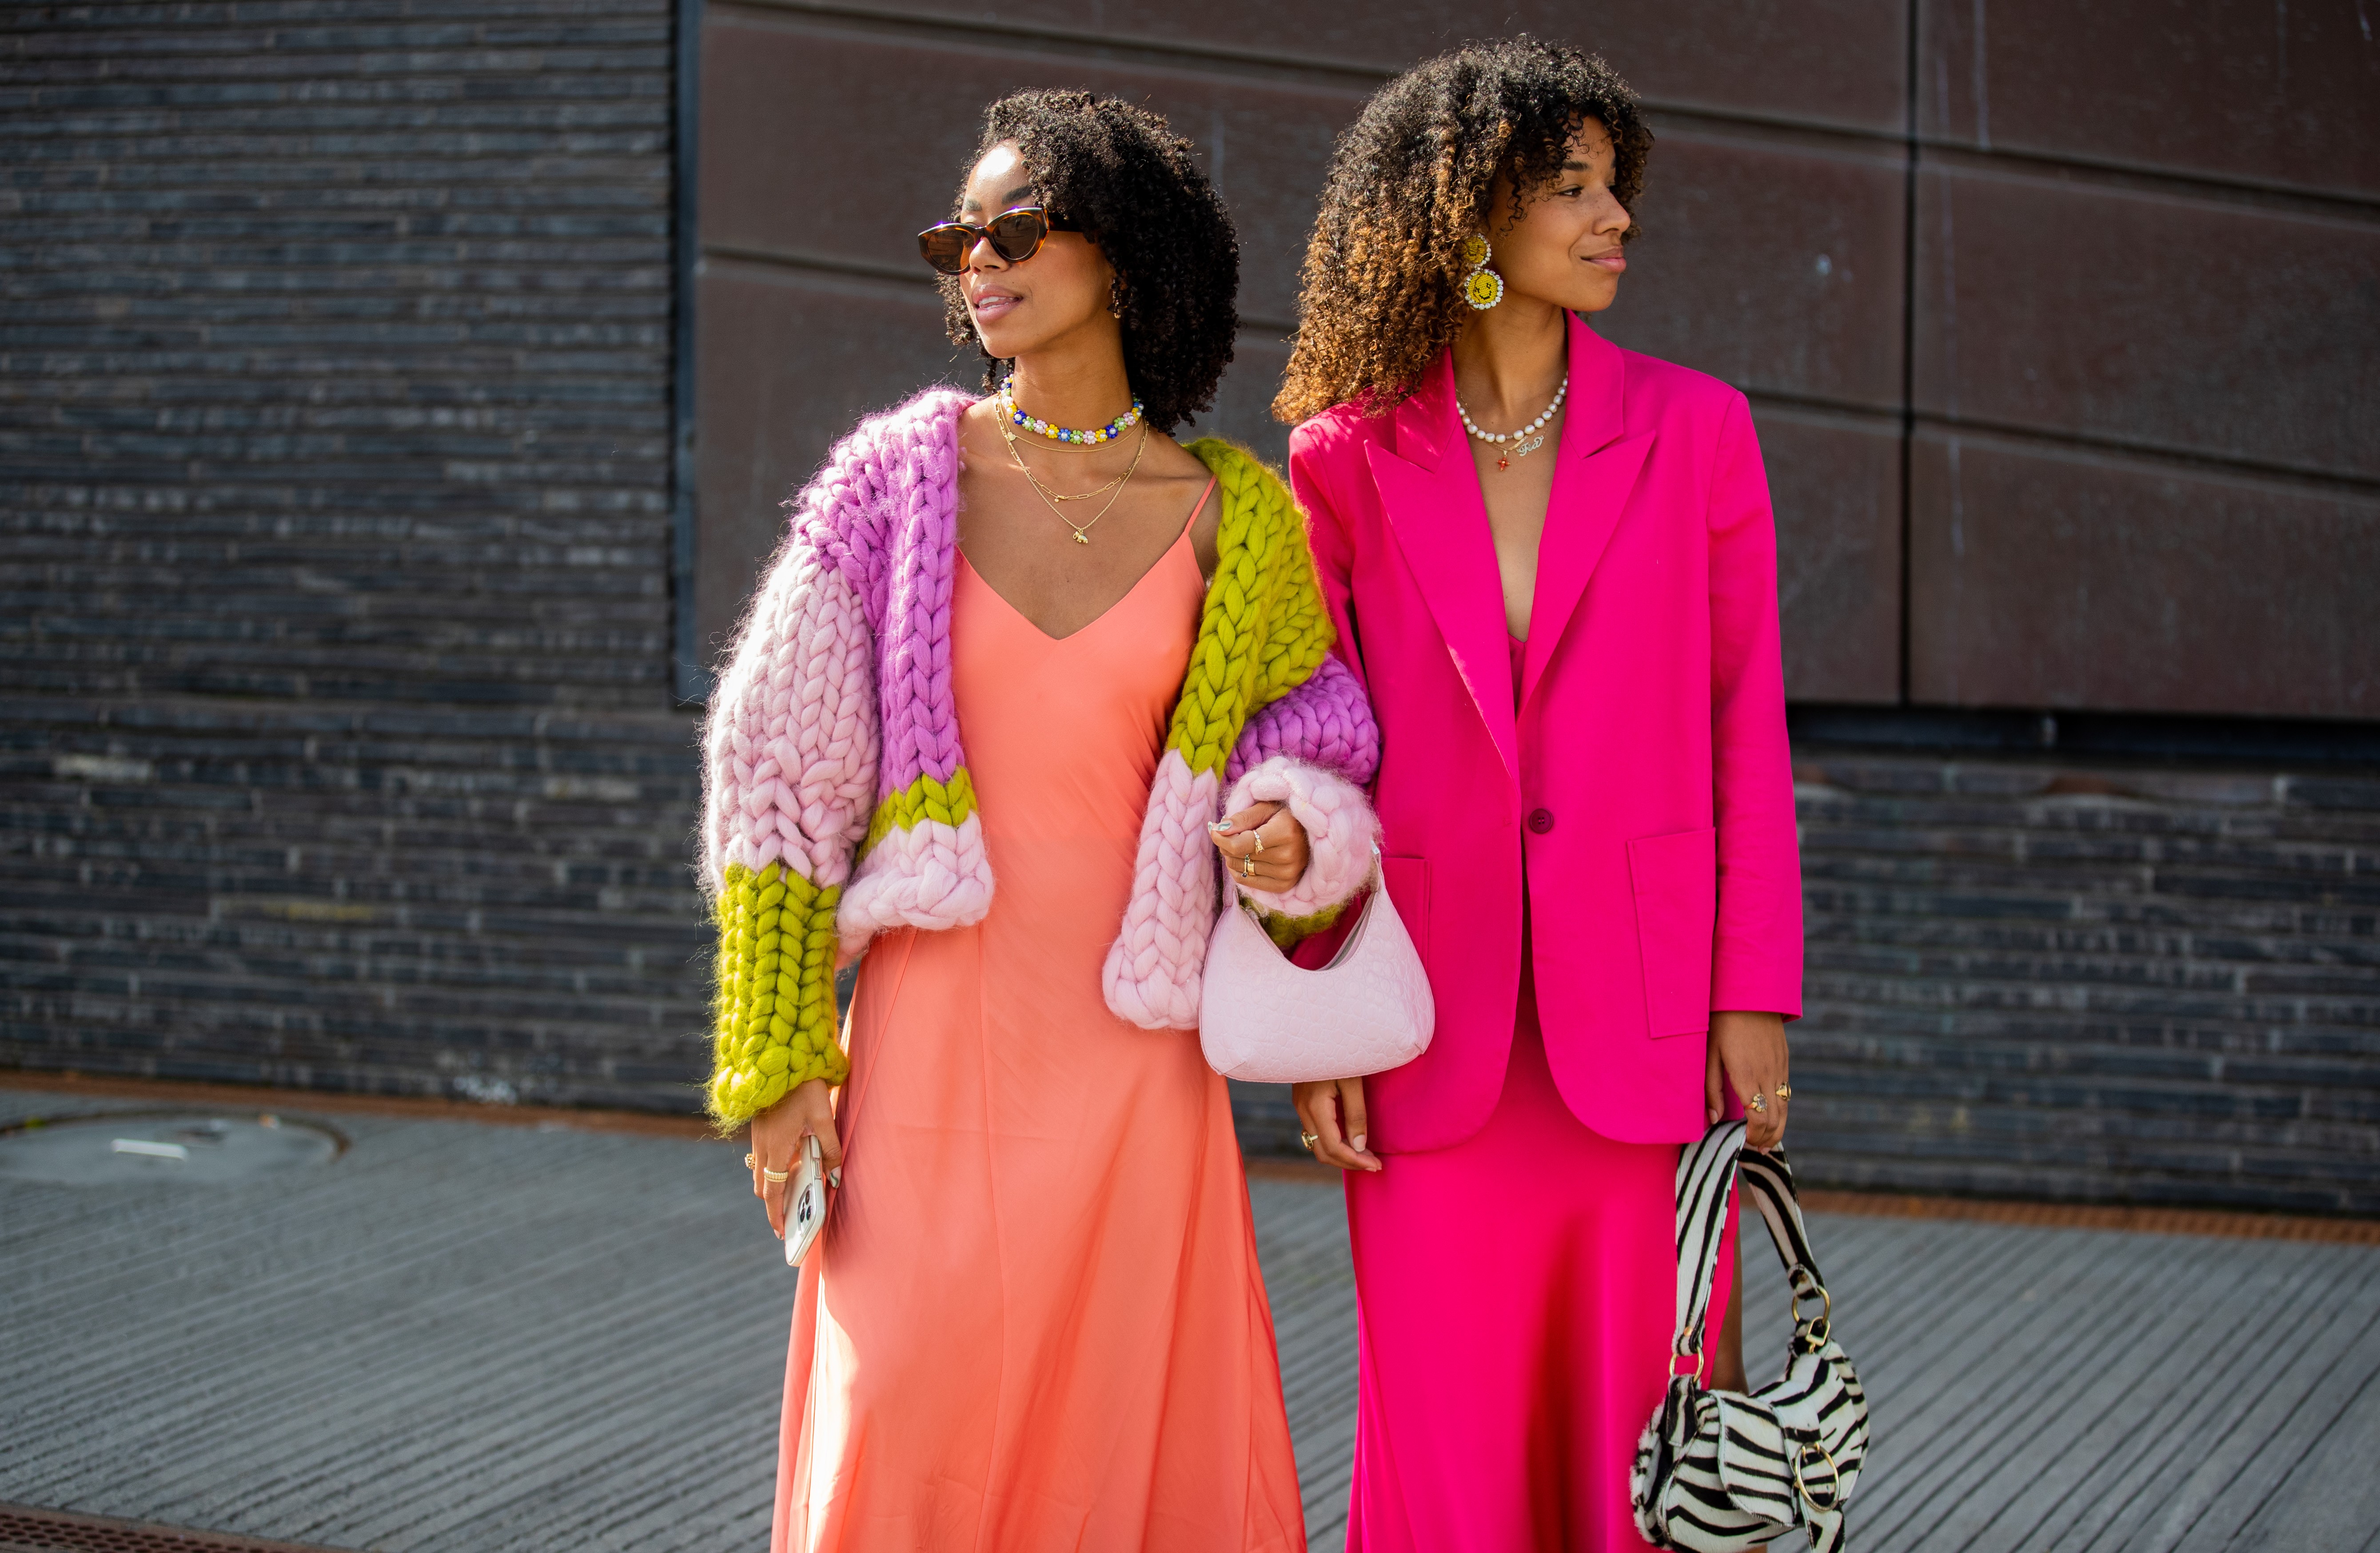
1676,881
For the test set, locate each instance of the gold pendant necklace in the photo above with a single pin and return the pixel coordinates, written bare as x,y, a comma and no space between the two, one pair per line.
1050,499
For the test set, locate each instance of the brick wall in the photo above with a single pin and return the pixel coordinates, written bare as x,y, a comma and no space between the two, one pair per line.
335,471
2114,983
2066,980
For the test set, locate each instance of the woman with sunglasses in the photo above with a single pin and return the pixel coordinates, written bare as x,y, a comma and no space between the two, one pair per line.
1024,668
1554,565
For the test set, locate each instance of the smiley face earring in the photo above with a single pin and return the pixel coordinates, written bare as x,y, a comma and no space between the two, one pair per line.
1483,287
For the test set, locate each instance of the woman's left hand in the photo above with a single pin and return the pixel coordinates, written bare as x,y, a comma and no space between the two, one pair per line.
1270,835
1748,1060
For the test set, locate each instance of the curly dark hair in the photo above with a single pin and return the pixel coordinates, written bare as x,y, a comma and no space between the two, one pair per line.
1119,173
1381,291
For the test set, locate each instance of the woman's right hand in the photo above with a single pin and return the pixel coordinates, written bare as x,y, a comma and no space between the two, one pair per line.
777,1135
1333,1112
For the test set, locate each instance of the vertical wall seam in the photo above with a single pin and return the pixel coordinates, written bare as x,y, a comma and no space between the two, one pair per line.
690,676
1908,338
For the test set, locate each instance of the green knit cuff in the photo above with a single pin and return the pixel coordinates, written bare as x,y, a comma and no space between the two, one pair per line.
775,1008
1288,933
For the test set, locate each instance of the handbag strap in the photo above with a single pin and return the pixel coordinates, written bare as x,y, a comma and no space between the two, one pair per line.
1706,1170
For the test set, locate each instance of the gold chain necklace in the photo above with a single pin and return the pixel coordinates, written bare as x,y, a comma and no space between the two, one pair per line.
1050,499
1049,496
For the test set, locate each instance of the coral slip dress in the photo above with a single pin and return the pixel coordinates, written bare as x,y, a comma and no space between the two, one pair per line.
1036,1321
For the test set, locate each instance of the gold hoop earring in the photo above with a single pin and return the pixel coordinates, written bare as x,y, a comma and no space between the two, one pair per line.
1482,288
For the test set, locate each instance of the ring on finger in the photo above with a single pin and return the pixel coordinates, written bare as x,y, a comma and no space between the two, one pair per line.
776,1177
749,1161
1257,836
1248,865
1759,1102
1783,1091
1307,1140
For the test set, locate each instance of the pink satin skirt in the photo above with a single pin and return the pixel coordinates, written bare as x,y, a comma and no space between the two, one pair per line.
1516,1297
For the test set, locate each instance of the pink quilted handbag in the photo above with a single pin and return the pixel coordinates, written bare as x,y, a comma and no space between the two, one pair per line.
1263,1019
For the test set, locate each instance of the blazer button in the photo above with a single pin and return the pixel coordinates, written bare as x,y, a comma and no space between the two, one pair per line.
1541,820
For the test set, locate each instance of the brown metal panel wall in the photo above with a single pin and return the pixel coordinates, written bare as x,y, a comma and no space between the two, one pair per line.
1835,482
2275,96
1773,258
1777,212
2147,231
2146,239
1832,62
2057,577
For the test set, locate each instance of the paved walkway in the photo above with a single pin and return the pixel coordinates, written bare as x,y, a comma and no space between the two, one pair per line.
481,1339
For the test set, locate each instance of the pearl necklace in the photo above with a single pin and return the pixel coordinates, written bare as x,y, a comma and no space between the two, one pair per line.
1527,437
1106,433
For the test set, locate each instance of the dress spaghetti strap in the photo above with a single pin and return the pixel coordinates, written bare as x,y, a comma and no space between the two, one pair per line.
1198,506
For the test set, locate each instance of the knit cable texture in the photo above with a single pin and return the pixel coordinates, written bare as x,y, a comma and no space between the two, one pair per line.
791,756
925,864
1263,632
776,1001
834,735
1340,831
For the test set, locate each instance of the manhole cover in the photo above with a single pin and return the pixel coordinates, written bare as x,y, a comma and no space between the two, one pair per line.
134,1150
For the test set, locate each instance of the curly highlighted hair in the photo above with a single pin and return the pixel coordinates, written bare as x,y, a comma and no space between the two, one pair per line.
1413,177
1119,174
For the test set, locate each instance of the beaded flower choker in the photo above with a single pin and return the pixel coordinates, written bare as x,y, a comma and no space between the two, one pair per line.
1106,433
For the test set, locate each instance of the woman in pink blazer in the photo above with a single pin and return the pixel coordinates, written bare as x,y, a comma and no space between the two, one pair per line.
1553,564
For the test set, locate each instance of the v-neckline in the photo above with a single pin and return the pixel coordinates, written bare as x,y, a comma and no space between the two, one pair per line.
1138,583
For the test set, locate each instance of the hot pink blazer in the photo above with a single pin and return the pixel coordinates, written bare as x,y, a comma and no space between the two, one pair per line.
1644,791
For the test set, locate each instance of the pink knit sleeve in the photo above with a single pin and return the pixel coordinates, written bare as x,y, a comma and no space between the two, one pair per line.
789,778
1341,833
790,743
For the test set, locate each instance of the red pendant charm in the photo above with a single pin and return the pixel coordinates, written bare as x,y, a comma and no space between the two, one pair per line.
1504,461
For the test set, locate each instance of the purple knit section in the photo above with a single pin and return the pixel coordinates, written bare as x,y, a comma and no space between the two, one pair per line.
1326,722
885,508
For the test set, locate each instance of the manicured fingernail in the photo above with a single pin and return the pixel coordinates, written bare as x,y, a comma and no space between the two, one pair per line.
1221,827
834,1177
1358,1141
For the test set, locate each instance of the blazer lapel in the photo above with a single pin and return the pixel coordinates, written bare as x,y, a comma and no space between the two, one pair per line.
1430,490
1596,469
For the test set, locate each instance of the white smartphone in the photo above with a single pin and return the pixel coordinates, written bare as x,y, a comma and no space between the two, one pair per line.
805,1205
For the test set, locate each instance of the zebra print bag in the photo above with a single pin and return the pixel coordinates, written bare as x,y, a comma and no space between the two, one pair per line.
1719,1472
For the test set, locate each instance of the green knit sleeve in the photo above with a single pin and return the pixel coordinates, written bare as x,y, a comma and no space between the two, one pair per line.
774,1016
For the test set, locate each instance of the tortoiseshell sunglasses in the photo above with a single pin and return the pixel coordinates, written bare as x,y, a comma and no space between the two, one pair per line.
1016,235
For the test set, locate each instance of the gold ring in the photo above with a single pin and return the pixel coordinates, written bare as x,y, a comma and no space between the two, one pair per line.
775,1177
1248,866
1759,1102
1784,1091
749,1161
1307,1140
1258,837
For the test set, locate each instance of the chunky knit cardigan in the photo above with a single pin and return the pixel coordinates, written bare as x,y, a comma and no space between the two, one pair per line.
837,802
